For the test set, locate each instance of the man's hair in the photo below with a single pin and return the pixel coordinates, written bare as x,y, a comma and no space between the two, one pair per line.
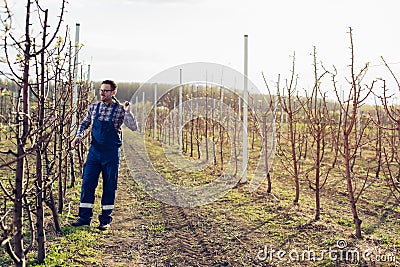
113,85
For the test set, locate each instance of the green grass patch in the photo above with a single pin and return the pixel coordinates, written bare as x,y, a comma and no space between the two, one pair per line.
77,247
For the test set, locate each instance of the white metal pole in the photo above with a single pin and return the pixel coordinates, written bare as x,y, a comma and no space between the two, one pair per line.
173,123
136,106
245,99
155,111
191,106
274,127
88,73
75,73
239,107
222,103
75,92
143,110
76,58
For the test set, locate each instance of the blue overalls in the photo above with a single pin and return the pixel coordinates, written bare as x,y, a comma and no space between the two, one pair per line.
104,156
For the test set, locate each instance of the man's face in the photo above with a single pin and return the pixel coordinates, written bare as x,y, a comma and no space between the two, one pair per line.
106,92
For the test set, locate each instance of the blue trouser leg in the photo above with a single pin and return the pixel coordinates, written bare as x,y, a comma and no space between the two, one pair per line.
110,166
90,180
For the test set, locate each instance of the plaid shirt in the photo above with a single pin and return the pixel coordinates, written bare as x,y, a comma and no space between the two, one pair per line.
119,117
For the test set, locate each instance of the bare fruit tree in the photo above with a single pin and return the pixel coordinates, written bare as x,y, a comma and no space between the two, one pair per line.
391,159
35,66
291,157
350,138
321,129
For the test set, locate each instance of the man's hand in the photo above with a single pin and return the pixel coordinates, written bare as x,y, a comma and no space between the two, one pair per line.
126,106
76,141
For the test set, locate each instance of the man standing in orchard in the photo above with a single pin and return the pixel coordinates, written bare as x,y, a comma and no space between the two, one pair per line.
106,117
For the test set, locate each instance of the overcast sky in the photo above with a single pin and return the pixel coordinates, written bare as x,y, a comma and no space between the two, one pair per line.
132,40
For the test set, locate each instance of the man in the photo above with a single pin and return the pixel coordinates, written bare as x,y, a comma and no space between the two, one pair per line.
106,117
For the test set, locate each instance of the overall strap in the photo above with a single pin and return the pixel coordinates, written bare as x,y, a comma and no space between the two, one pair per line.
97,110
113,111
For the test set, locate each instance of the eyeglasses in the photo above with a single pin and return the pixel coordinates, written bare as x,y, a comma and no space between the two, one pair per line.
105,90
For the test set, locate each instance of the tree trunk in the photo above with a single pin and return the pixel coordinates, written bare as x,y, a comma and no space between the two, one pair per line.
60,179
51,204
70,129
20,169
350,190
294,158
18,207
317,176
269,183
39,207
39,168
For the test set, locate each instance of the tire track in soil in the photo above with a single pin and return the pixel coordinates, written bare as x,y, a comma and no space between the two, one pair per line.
131,240
191,245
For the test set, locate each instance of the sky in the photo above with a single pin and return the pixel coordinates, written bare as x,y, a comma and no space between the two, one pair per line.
133,40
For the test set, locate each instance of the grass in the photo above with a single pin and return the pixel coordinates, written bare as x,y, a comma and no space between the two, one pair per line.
76,247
